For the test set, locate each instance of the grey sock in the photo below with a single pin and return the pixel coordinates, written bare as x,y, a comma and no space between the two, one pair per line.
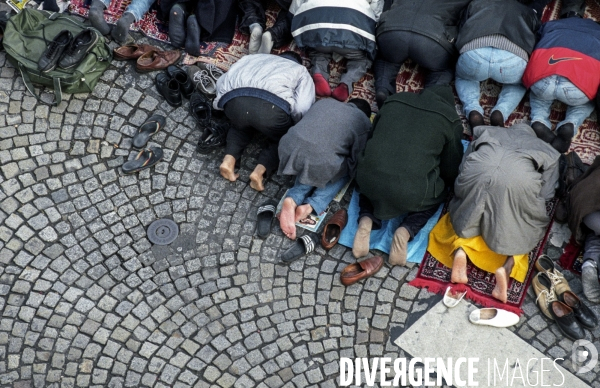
266,44
256,33
589,280
121,32
96,16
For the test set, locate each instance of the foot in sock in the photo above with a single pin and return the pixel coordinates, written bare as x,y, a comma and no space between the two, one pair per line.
399,248
177,26
543,132
564,135
266,44
360,248
589,280
96,16
475,119
341,92
50,5
322,88
256,33
121,32
496,119
192,41
381,96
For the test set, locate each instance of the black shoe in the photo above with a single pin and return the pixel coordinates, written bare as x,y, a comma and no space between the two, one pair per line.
564,135
475,119
177,26
583,314
169,89
78,49
185,83
496,119
566,321
54,51
200,108
543,132
380,97
213,136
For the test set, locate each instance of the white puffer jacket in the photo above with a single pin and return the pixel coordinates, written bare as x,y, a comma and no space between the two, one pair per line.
279,76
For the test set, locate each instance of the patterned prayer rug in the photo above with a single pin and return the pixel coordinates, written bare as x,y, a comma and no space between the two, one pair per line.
149,25
436,277
410,79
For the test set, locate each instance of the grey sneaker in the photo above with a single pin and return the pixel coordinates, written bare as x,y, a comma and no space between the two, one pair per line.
202,80
590,282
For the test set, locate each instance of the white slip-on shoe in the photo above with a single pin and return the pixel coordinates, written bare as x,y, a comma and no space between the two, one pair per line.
452,299
493,317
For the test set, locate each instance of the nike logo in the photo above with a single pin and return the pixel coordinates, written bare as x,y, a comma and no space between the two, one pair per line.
553,61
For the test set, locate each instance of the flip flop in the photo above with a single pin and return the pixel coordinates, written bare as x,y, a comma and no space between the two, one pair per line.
264,216
302,246
453,301
147,158
154,124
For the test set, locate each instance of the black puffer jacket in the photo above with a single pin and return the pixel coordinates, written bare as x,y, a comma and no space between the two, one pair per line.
436,19
517,22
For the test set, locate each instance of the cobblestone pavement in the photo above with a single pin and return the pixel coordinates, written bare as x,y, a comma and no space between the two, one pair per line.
87,300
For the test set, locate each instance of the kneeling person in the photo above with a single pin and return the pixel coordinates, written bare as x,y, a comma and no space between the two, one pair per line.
262,93
321,150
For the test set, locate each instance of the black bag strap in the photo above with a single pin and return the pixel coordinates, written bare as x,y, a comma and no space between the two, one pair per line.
31,89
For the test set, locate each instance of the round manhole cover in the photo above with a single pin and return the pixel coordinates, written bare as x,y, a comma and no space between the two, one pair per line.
163,231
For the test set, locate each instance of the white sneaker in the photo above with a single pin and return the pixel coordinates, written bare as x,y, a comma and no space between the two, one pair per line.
493,317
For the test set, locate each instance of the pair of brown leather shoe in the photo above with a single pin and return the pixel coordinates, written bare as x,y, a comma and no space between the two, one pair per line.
333,229
148,58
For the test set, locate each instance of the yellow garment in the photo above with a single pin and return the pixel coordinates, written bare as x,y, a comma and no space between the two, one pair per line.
443,242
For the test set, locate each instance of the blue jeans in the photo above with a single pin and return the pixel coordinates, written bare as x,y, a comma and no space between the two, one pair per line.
545,91
137,8
502,66
320,197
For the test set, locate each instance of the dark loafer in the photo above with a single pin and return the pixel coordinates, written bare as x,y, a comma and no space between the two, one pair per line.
302,246
357,271
583,314
567,323
169,89
200,108
333,229
147,130
185,83
145,159
264,216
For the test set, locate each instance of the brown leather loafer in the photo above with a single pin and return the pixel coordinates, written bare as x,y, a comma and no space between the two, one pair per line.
357,271
132,51
157,60
333,229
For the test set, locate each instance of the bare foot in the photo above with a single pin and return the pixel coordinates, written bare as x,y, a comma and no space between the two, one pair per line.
360,247
228,168
303,211
500,291
256,178
286,218
459,267
399,248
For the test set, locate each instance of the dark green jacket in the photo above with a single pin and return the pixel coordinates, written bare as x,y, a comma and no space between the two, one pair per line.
413,154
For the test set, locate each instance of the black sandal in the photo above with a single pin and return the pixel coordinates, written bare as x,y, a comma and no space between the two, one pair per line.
147,130
264,216
302,246
147,158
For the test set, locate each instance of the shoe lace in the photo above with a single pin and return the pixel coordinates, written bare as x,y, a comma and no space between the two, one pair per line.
555,277
213,69
550,295
52,48
202,77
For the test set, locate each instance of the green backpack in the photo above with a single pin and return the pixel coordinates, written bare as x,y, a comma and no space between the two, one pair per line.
27,35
